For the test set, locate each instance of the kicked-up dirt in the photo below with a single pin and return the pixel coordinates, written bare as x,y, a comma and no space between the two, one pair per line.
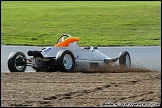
81,89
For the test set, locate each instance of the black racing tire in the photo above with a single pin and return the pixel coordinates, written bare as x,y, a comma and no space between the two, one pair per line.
124,59
65,61
17,62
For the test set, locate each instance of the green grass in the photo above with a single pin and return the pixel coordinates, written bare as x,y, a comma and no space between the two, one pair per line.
97,23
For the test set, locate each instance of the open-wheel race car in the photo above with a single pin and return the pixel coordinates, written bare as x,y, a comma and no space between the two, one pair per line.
65,56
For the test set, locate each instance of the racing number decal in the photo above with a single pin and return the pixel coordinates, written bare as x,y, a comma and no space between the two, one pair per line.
46,50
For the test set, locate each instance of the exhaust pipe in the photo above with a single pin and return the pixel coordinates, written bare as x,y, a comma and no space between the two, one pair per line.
34,53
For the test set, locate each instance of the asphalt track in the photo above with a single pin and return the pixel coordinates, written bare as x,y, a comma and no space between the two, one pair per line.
148,57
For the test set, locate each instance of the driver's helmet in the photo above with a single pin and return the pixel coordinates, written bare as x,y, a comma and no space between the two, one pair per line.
61,39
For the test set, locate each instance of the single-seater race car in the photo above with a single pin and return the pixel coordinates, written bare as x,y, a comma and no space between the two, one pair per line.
65,56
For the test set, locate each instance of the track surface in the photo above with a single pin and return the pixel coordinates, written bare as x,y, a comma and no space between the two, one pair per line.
147,57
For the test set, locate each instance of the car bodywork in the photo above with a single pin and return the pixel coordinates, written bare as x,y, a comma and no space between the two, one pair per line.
65,56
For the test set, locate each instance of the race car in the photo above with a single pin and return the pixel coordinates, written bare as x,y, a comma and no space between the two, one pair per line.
64,56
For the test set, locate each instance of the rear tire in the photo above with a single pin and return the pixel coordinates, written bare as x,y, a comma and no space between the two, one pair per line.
65,61
17,62
124,59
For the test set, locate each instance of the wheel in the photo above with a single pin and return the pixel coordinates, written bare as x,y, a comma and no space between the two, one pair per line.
17,62
65,61
124,59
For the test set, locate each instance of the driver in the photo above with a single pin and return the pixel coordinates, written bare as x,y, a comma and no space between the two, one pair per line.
61,39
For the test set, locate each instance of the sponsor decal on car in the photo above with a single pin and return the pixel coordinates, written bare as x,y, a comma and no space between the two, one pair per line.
46,50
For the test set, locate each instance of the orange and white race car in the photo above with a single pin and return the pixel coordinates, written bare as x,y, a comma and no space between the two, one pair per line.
65,56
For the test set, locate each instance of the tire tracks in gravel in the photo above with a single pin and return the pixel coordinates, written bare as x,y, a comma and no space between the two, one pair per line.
47,101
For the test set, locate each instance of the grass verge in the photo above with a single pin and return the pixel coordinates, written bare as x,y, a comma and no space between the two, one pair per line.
97,23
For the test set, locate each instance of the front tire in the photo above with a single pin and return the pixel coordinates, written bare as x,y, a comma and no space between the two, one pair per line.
17,62
124,59
65,61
